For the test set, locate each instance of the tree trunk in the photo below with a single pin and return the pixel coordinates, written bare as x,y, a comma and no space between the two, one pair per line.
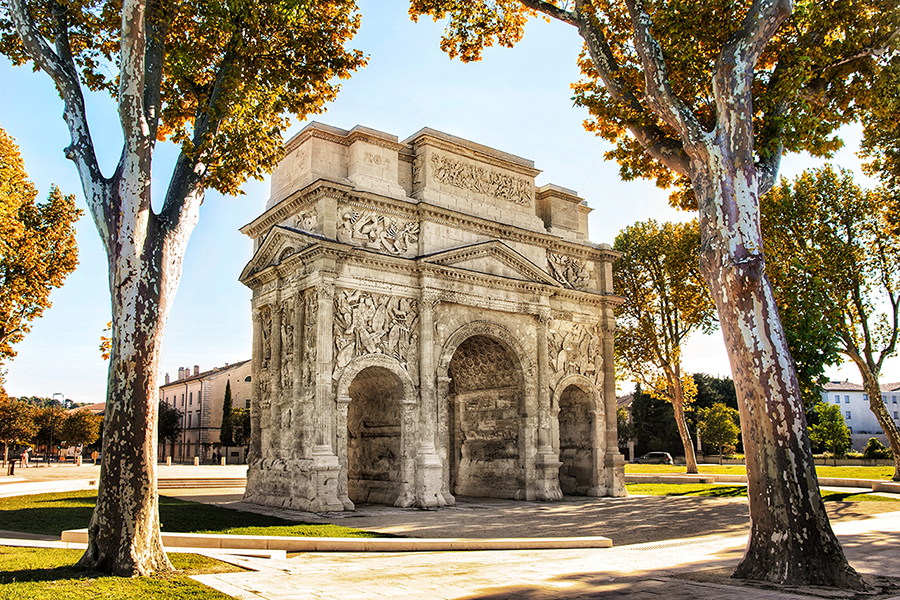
145,260
687,443
791,541
876,405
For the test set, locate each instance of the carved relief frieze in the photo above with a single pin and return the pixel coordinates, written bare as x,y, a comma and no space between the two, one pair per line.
575,349
569,271
369,323
306,220
287,344
311,305
370,229
377,160
481,180
265,315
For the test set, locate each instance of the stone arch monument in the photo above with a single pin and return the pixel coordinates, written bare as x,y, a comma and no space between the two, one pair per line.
427,323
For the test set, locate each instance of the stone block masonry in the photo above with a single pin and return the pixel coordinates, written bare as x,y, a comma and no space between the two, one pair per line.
427,323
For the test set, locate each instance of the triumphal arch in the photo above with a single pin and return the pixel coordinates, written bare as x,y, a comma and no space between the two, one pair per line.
426,323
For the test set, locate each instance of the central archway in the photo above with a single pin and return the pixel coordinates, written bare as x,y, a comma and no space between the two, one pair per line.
374,437
486,396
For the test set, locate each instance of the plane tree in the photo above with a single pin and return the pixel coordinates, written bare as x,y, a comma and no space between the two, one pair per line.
665,301
218,79
835,260
705,96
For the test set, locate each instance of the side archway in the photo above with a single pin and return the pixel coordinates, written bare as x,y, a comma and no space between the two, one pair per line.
581,427
375,395
486,392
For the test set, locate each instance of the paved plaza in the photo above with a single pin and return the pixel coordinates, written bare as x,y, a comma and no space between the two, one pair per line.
663,548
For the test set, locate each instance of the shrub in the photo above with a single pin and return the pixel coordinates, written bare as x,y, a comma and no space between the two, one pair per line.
875,449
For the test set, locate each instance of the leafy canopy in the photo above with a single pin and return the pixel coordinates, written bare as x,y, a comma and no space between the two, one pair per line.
666,300
830,432
232,70
829,64
718,425
833,262
37,247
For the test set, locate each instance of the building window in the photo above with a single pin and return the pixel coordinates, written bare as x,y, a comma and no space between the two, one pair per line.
247,378
893,399
865,397
837,399
190,415
247,403
895,414
190,398
884,398
182,399
848,415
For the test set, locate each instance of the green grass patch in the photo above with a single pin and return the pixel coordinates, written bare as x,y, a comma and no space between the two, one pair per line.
50,574
883,473
737,491
51,514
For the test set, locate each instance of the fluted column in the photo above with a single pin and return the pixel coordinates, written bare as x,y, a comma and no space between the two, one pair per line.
546,460
429,465
255,371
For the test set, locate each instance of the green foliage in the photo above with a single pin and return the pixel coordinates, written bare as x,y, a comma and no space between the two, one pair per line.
626,430
49,419
169,427
17,424
719,426
830,432
875,449
80,427
226,433
38,247
654,425
735,491
240,419
711,390
666,300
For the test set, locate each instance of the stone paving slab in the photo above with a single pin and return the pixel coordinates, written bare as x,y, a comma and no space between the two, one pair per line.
640,572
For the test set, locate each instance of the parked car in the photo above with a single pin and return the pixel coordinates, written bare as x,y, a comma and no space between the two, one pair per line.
654,458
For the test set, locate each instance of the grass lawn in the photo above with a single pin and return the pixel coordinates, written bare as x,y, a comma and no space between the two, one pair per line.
735,491
51,514
50,574
884,473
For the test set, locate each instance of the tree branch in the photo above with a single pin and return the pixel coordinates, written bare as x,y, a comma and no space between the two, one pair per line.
659,93
132,76
551,10
655,141
60,67
733,73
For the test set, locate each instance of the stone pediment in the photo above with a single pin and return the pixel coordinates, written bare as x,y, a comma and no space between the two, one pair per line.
279,243
492,258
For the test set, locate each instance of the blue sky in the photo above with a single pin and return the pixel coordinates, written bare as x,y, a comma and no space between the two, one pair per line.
518,101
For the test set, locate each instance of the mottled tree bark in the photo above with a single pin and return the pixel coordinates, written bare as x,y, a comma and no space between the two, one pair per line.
876,405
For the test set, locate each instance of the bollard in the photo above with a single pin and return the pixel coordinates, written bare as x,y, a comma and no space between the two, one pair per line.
78,461
223,461
168,461
196,461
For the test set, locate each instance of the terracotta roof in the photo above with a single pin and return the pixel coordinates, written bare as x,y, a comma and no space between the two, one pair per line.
98,409
846,386
205,374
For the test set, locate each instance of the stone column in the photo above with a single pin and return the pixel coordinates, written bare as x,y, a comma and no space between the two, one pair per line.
547,462
429,466
341,441
300,411
275,360
614,462
255,374
325,464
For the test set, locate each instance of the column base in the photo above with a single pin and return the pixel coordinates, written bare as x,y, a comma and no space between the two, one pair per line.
428,490
546,477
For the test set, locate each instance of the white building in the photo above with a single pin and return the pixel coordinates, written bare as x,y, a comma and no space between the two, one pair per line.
199,398
854,403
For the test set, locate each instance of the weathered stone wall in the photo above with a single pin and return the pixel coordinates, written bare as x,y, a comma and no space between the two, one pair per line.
427,323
